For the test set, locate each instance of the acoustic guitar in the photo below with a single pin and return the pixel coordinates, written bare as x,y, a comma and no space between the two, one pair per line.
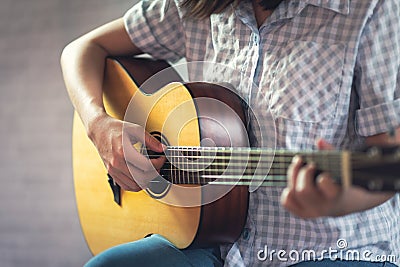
200,197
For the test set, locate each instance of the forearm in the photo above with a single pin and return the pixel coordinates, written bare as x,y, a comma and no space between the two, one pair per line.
355,199
83,61
83,67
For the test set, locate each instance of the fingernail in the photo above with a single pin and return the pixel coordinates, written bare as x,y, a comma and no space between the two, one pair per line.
320,179
323,178
296,159
312,165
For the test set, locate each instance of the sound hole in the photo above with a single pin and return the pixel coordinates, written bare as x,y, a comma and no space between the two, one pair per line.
159,186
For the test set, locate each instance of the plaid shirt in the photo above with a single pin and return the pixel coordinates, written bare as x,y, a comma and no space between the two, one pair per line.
325,69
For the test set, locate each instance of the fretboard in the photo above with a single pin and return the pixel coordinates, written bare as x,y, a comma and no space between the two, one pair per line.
241,166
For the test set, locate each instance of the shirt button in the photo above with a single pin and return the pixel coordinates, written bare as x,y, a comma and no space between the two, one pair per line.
256,38
246,234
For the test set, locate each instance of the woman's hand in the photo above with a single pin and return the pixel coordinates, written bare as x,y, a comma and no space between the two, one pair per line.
114,140
307,196
310,197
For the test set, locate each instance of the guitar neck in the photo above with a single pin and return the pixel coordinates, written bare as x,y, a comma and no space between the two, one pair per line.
245,166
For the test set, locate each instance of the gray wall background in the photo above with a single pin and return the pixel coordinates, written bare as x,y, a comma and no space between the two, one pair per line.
39,224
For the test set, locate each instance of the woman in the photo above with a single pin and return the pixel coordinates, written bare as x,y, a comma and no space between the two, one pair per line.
325,69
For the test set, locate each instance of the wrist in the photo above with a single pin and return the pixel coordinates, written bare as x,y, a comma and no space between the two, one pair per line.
94,122
356,199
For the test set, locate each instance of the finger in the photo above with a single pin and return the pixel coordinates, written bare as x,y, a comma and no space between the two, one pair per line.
289,202
134,157
152,143
137,133
327,186
306,192
125,182
118,169
142,178
293,171
158,162
324,145
305,180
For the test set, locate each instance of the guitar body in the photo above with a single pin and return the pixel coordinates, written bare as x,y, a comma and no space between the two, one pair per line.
175,114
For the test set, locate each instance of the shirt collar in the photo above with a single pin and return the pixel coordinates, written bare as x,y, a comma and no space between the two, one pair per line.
339,6
290,8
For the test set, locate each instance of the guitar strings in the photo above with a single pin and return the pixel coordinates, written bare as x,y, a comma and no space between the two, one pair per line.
241,166
258,151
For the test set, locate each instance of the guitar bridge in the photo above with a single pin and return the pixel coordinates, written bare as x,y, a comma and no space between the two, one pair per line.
116,189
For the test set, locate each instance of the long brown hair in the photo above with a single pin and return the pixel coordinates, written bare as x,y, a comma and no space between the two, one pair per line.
204,8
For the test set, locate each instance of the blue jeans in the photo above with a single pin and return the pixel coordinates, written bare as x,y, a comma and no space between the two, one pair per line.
156,251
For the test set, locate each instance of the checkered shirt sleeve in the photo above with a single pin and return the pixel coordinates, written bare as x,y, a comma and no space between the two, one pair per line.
155,27
378,72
